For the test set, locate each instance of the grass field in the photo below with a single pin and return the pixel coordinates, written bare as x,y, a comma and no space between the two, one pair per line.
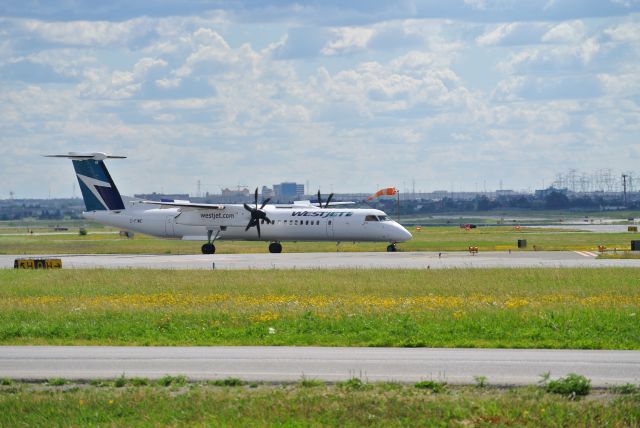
352,403
514,308
105,241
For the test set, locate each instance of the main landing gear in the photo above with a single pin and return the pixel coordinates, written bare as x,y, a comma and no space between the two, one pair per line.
209,248
391,248
275,247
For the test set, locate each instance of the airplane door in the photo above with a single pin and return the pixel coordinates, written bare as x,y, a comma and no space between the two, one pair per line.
169,226
330,233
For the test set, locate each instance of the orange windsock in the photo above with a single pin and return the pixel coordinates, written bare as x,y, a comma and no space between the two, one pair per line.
389,191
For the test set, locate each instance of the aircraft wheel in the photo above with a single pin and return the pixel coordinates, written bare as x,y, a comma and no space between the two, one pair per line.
208,249
275,247
391,248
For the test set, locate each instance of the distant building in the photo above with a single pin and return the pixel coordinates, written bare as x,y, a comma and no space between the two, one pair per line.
235,192
288,191
267,192
543,193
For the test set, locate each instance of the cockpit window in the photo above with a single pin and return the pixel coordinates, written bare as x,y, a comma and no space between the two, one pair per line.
383,218
371,218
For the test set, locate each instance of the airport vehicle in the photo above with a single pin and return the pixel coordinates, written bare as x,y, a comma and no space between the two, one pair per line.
276,223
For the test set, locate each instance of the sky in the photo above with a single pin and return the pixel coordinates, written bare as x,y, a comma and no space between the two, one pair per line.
347,96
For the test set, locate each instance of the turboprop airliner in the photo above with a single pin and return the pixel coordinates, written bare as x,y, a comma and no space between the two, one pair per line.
273,223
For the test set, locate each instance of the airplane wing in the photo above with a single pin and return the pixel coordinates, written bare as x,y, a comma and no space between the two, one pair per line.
302,204
185,204
315,204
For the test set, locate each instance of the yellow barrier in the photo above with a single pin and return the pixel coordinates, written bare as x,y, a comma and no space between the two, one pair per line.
37,264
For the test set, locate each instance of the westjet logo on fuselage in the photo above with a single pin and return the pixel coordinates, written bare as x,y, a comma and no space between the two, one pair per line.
322,214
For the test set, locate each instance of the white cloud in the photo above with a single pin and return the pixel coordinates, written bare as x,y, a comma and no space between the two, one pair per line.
627,32
348,40
623,85
410,82
496,35
532,33
83,33
552,57
118,84
513,33
566,32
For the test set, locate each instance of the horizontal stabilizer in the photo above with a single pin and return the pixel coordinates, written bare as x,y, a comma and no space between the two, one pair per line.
86,156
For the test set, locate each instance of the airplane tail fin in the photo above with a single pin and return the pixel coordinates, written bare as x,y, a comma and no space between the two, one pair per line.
98,189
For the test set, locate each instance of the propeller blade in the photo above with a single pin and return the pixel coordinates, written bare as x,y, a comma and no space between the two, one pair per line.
265,202
258,227
267,220
319,199
256,197
328,200
252,223
248,208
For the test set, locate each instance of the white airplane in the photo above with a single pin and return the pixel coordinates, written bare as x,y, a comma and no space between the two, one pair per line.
300,221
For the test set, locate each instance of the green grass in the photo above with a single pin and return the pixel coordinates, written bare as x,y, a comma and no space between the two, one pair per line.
432,385
572,385
296,405
230,381
503,238
502,308
57,382
620,255
172,381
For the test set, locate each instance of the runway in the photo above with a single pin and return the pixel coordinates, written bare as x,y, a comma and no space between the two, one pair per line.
339,260
290,364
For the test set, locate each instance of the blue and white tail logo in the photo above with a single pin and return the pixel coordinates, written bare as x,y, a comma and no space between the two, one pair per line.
98,189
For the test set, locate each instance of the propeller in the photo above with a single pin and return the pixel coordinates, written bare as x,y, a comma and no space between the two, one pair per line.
257,214
326,205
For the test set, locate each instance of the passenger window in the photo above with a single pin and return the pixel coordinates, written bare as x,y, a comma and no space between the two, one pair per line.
329,222
296,222
371,218
285,222
307,222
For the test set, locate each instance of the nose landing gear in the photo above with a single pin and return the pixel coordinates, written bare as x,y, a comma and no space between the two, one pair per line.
391,248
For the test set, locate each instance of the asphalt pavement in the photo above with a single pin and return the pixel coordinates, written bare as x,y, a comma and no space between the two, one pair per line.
291,364
337,260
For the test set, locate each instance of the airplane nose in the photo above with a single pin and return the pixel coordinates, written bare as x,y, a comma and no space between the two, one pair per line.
401,234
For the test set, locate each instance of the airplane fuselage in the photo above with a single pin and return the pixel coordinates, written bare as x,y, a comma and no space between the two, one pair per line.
304,223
